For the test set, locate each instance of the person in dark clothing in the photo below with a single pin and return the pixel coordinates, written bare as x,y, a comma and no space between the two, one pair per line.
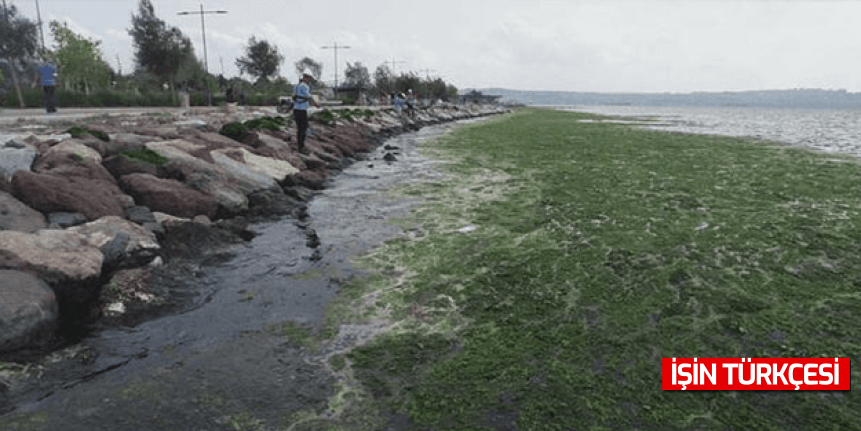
301,97
49,87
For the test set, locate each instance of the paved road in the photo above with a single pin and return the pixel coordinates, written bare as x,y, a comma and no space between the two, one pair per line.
9,116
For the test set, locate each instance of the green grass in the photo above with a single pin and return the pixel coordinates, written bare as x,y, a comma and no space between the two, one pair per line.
598,250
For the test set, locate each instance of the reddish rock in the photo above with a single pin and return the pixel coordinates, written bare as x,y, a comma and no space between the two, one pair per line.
168,196
120,166
52,192
163,132
6,186
213,141
94,143
65,164
314,180
126,141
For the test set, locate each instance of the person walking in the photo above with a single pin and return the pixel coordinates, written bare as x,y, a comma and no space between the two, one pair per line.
399,103
49,87
301,97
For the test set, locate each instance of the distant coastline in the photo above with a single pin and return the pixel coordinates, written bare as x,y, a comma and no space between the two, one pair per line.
793,99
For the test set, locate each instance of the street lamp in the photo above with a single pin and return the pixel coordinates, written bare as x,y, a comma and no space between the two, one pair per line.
203,29
336,47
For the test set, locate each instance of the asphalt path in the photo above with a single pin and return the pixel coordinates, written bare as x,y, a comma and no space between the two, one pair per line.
38,115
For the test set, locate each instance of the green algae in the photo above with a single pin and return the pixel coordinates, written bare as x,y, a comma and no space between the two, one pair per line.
597,250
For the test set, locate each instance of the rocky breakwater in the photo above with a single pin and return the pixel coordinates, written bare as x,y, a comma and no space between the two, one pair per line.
100,204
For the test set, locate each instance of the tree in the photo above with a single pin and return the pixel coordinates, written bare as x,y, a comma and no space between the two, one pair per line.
383,79
261,60
79,59
409,81
159,49
357,76
309,63
18,41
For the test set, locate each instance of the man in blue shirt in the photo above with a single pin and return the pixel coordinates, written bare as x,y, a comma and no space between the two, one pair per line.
301,97
49,87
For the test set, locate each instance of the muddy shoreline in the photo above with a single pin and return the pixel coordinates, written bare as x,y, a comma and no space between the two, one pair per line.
276,369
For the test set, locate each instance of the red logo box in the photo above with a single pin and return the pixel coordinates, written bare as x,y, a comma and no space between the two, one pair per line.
749,374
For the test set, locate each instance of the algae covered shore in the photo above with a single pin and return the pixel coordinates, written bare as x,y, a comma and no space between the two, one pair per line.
540,286
547,272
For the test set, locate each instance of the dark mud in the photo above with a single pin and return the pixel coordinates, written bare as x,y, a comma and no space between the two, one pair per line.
214,355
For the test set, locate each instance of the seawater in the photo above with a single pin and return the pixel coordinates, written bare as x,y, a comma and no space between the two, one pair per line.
828,130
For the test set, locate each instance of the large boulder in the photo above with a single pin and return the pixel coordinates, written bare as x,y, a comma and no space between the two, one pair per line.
138,247
14,215
314,180
78,148
120,166
127,141
271,146
51,192
272,168
168,196
28,310
65,260
69,165
15,155
228,181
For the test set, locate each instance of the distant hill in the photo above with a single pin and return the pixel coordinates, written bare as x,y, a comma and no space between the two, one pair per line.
798,99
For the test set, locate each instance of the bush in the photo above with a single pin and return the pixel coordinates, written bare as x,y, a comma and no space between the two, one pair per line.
325,116
238,131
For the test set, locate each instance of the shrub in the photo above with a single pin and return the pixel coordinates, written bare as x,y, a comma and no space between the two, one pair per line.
238,131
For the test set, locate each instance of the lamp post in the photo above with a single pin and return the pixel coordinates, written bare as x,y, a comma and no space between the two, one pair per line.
393,62
336,47
39,18
203,29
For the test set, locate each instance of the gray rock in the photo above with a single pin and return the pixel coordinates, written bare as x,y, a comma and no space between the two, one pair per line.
115,251
65,260
16,159
15,143
15,215
28,310
140,215
66,219
139,246
156,229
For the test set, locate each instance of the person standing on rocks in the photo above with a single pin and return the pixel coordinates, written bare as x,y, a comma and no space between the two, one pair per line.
49,87
301,97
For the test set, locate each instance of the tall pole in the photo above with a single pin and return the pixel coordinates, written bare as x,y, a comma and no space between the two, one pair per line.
393,64
203,30
39,18
336,47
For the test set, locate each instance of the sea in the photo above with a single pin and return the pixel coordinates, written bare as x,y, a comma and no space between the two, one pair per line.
827,130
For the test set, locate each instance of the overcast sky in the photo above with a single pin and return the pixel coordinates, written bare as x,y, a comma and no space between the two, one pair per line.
600,45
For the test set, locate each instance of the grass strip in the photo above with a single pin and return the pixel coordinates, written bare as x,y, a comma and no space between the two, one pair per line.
598,249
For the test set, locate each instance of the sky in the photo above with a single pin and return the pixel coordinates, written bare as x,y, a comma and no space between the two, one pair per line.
646,46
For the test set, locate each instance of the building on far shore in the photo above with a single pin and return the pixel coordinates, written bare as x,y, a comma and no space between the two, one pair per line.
477,97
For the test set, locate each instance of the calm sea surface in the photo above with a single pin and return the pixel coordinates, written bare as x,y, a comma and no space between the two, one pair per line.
834,131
